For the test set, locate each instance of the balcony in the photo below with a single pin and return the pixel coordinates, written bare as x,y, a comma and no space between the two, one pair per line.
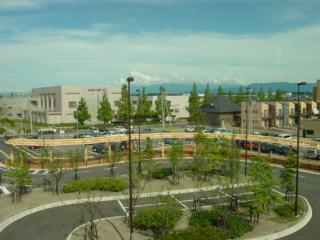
266,116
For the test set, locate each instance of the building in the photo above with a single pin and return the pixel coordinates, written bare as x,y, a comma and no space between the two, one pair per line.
54,105
14,107
310,128
288,113
221,112
258,115
316,92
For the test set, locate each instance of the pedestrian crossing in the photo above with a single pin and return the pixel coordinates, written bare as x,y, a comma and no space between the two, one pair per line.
4,190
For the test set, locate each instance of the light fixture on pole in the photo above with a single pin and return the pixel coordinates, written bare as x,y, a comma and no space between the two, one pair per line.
129,80
139,130
298,145
246,143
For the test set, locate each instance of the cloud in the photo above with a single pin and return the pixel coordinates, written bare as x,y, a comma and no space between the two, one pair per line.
90,56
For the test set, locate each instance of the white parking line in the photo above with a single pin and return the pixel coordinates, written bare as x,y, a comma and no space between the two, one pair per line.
36,171
181,203
45,172
4,190
83,171
122,207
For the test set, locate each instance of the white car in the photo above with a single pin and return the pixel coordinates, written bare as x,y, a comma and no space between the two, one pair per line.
190,129
120,130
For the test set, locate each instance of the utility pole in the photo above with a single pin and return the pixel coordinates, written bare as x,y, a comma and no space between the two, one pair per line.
139,131
162,110
246,143
129,80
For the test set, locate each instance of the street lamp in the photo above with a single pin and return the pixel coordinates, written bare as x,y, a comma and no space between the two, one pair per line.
246,143
139,130
129,80
298,142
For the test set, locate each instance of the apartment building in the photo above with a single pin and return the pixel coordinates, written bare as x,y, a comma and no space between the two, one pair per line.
258,115
275,114
310,128
53,105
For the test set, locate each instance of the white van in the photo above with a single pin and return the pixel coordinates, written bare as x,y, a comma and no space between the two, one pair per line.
285,135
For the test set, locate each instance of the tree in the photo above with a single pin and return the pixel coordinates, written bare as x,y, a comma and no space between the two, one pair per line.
149,154
262,186
56,172
194,106
144,106
270,94
287,175
207,94
162,104
123,108
105,112
175,155
19,173
240,97
278,95
220,91
74,157
261,95
158,219
82,113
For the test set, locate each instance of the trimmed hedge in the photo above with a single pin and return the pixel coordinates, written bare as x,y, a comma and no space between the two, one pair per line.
102,184
161,173
285,211
204,227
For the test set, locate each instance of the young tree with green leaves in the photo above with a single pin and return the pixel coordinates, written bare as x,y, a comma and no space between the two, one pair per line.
207,94
278,95
261,95
162,104
270,94
287,175
19,173
220,91
149,153
123,108
241,95
57,173
144,106
262,186
82,113
175,154
194,106
105,112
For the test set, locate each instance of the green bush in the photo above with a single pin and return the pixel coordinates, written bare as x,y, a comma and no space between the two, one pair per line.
103,184
285,211
236,225
161,173
2,130
158,219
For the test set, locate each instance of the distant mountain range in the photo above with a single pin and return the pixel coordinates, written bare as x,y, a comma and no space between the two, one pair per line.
186,87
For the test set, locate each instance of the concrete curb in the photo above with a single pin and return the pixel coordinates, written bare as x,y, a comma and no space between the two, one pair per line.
25,213
295,228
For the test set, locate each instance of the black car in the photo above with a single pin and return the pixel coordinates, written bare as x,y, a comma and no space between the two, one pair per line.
99,148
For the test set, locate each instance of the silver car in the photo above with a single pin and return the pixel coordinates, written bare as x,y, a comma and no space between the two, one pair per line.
313,153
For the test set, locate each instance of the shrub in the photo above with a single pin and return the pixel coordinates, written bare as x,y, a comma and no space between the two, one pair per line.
198,233
103,184
285,211
2,130
161,173
158,219
236,225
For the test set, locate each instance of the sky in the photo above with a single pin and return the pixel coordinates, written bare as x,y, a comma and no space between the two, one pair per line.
99,42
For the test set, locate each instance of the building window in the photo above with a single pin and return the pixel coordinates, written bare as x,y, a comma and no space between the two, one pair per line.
72,104
310,132
177,110
134,102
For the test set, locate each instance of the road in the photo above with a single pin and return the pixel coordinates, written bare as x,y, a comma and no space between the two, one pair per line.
67,217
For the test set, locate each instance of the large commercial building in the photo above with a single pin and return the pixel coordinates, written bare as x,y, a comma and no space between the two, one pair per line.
14,107
54,105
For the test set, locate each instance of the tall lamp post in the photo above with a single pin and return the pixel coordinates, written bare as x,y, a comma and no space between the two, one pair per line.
129,80
246,143
298,145
139,131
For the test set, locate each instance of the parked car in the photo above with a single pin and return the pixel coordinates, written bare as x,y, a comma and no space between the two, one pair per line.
83,135
190,129
99,148
313,153
146,130
94,130
48,130
120,130
285,135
